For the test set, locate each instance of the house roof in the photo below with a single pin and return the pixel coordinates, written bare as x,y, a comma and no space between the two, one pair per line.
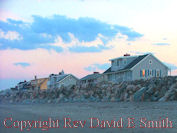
61,77
130,65
91,76
122,57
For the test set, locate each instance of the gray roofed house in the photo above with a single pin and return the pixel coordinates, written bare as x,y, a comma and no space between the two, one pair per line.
61,79
23,85
91,78
128,68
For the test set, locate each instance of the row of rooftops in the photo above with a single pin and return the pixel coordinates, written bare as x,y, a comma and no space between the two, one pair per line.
136,59
130,65
62,75
127,67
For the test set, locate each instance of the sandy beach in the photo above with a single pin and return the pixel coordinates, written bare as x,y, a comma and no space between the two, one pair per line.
90,117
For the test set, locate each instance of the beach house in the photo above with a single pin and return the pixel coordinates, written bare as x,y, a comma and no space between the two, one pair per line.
128,68
61,79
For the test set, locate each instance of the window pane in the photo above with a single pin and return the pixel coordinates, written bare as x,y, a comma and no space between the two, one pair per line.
143,72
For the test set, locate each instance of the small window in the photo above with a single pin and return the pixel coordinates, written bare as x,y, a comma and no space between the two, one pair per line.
125,61
117,62
142,73
113,62
150,72
158,73
150,61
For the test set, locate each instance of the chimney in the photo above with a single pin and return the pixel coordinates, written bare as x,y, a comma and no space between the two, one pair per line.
95,72
126,54
61,73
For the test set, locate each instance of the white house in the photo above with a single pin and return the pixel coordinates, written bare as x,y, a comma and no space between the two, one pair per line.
128,68
61,79
91,78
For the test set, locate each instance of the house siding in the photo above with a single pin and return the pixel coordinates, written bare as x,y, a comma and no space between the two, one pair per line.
43,86
57,80
69,80
138,67
128,76
145,65
119,77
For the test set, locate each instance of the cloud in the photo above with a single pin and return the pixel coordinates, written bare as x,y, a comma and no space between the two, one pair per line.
171,66
10,35
97,67
43,32
83,49
161,44
85,29
141,53
22,64
29,39
90,68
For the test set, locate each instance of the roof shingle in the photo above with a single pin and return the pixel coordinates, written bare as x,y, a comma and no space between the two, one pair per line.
130,65
91,76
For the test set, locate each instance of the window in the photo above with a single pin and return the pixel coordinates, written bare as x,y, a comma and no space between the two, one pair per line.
109,77
150,73
112,62
150,61
117,62
125,61
113,77
142,73
158,73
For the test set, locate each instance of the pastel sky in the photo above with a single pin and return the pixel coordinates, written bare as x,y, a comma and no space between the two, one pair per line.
40,37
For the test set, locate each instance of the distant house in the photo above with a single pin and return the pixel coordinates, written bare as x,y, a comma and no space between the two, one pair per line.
128,68
23,85
91,79
14,88
61,79
39,83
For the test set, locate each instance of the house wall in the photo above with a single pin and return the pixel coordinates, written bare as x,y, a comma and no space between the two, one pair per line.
44,85
100,79
105,77
128,76
92,79
39,83
69,80
21,86
119,77
51,83
144,64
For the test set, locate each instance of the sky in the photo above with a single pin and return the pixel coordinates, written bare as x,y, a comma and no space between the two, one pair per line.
40,37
